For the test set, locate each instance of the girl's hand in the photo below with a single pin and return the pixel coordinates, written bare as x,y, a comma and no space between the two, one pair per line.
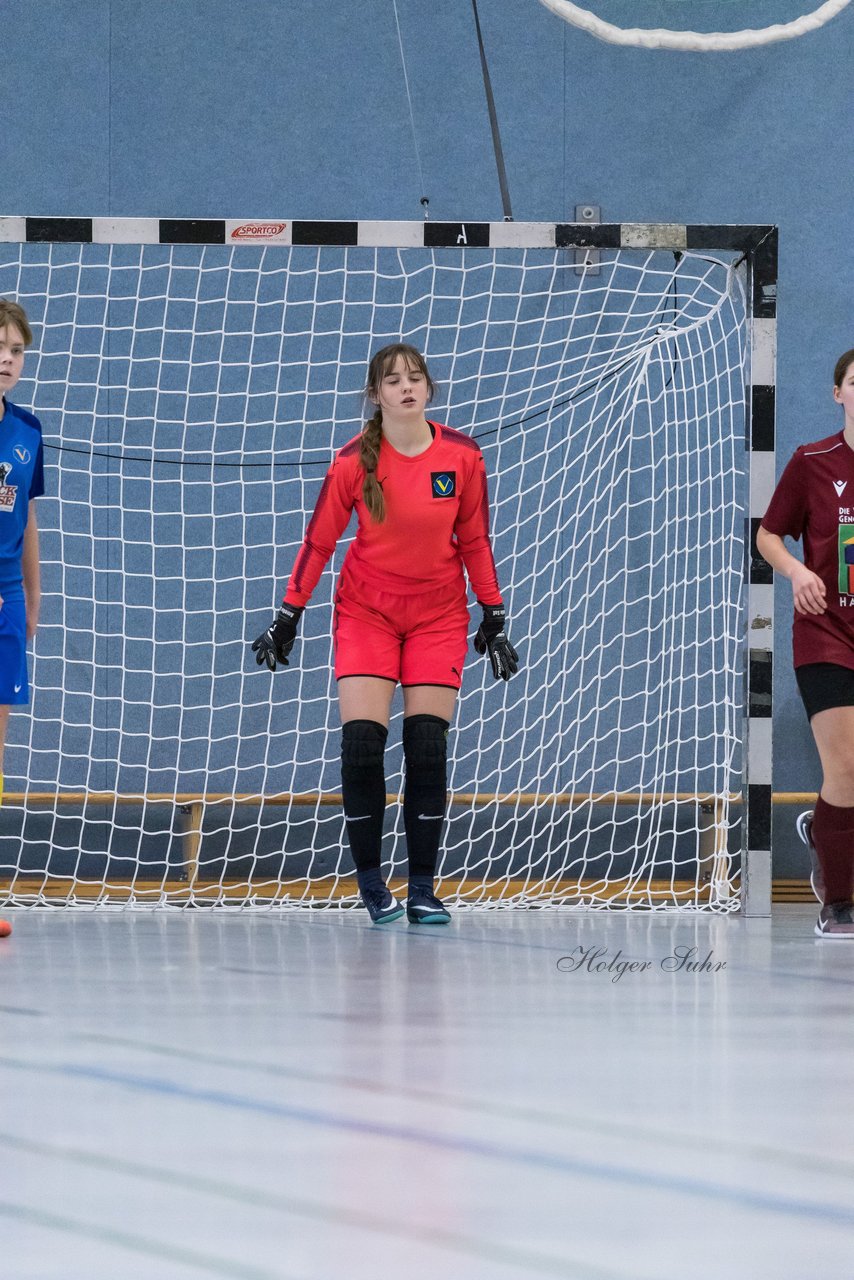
492,638
809,591
278,640
33,609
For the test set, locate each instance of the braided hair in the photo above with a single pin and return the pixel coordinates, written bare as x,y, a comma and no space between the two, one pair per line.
372,432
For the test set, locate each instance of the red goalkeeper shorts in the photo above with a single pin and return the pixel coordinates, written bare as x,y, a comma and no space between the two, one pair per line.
416,639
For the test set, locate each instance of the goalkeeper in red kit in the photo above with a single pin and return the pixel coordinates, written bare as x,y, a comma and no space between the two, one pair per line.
401,614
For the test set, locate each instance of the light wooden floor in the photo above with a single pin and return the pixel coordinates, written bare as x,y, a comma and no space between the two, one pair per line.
303,1096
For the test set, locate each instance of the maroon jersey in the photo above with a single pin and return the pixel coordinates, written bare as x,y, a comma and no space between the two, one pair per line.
437,520
815,499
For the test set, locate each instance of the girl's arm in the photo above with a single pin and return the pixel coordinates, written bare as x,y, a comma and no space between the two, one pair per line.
31,570
472,533
808,590
330,518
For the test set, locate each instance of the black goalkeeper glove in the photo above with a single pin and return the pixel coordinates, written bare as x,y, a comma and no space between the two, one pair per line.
277,641
492,637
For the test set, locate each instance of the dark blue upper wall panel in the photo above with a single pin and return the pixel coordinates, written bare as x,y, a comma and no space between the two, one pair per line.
450,112
708,137
296,108
207,108
55,152
525,48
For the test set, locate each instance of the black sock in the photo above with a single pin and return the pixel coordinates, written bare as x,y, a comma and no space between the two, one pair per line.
370,878
425,746
363,789
420,882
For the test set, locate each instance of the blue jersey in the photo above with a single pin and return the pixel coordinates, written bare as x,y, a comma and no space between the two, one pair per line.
21,478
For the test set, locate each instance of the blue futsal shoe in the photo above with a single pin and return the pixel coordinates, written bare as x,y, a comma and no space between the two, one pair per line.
423,907
381,906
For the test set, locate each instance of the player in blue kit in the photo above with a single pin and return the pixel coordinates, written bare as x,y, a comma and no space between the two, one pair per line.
21,480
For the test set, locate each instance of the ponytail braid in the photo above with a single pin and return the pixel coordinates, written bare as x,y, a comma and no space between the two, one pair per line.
369,456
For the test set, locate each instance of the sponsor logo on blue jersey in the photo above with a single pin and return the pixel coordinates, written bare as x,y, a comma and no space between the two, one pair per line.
444,483
8,492
21,478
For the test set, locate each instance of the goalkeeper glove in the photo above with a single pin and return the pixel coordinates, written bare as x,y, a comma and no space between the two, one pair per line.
278,640
492,637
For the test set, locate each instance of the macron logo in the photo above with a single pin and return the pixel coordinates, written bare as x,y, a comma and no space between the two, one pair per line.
839,486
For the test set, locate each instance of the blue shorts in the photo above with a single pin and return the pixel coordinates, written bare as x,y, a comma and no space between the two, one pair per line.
14,682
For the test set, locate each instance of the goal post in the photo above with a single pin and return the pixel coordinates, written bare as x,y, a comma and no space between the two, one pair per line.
194,378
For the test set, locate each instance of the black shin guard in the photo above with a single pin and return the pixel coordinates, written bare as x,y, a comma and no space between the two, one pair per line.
425,746
363,788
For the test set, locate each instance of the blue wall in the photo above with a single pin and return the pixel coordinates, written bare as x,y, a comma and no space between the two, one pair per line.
299,109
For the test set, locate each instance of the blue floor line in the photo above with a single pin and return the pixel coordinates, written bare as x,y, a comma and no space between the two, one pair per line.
737,1198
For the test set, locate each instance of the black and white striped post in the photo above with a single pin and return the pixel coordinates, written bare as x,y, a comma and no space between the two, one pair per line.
762,300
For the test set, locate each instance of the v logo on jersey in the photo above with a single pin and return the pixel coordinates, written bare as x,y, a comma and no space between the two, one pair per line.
444,484
839,486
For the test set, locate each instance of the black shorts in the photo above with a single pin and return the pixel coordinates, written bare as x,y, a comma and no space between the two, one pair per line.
824,685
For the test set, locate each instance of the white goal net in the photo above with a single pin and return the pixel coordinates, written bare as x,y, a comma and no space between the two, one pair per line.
192,398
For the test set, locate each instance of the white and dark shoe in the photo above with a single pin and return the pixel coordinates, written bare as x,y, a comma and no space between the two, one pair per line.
803,826
423,907
836,920
380,905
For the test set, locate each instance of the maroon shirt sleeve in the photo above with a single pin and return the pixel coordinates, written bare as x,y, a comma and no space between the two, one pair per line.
331,516
787,511
472,534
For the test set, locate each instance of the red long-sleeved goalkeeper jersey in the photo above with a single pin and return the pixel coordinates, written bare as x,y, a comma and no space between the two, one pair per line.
437,520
